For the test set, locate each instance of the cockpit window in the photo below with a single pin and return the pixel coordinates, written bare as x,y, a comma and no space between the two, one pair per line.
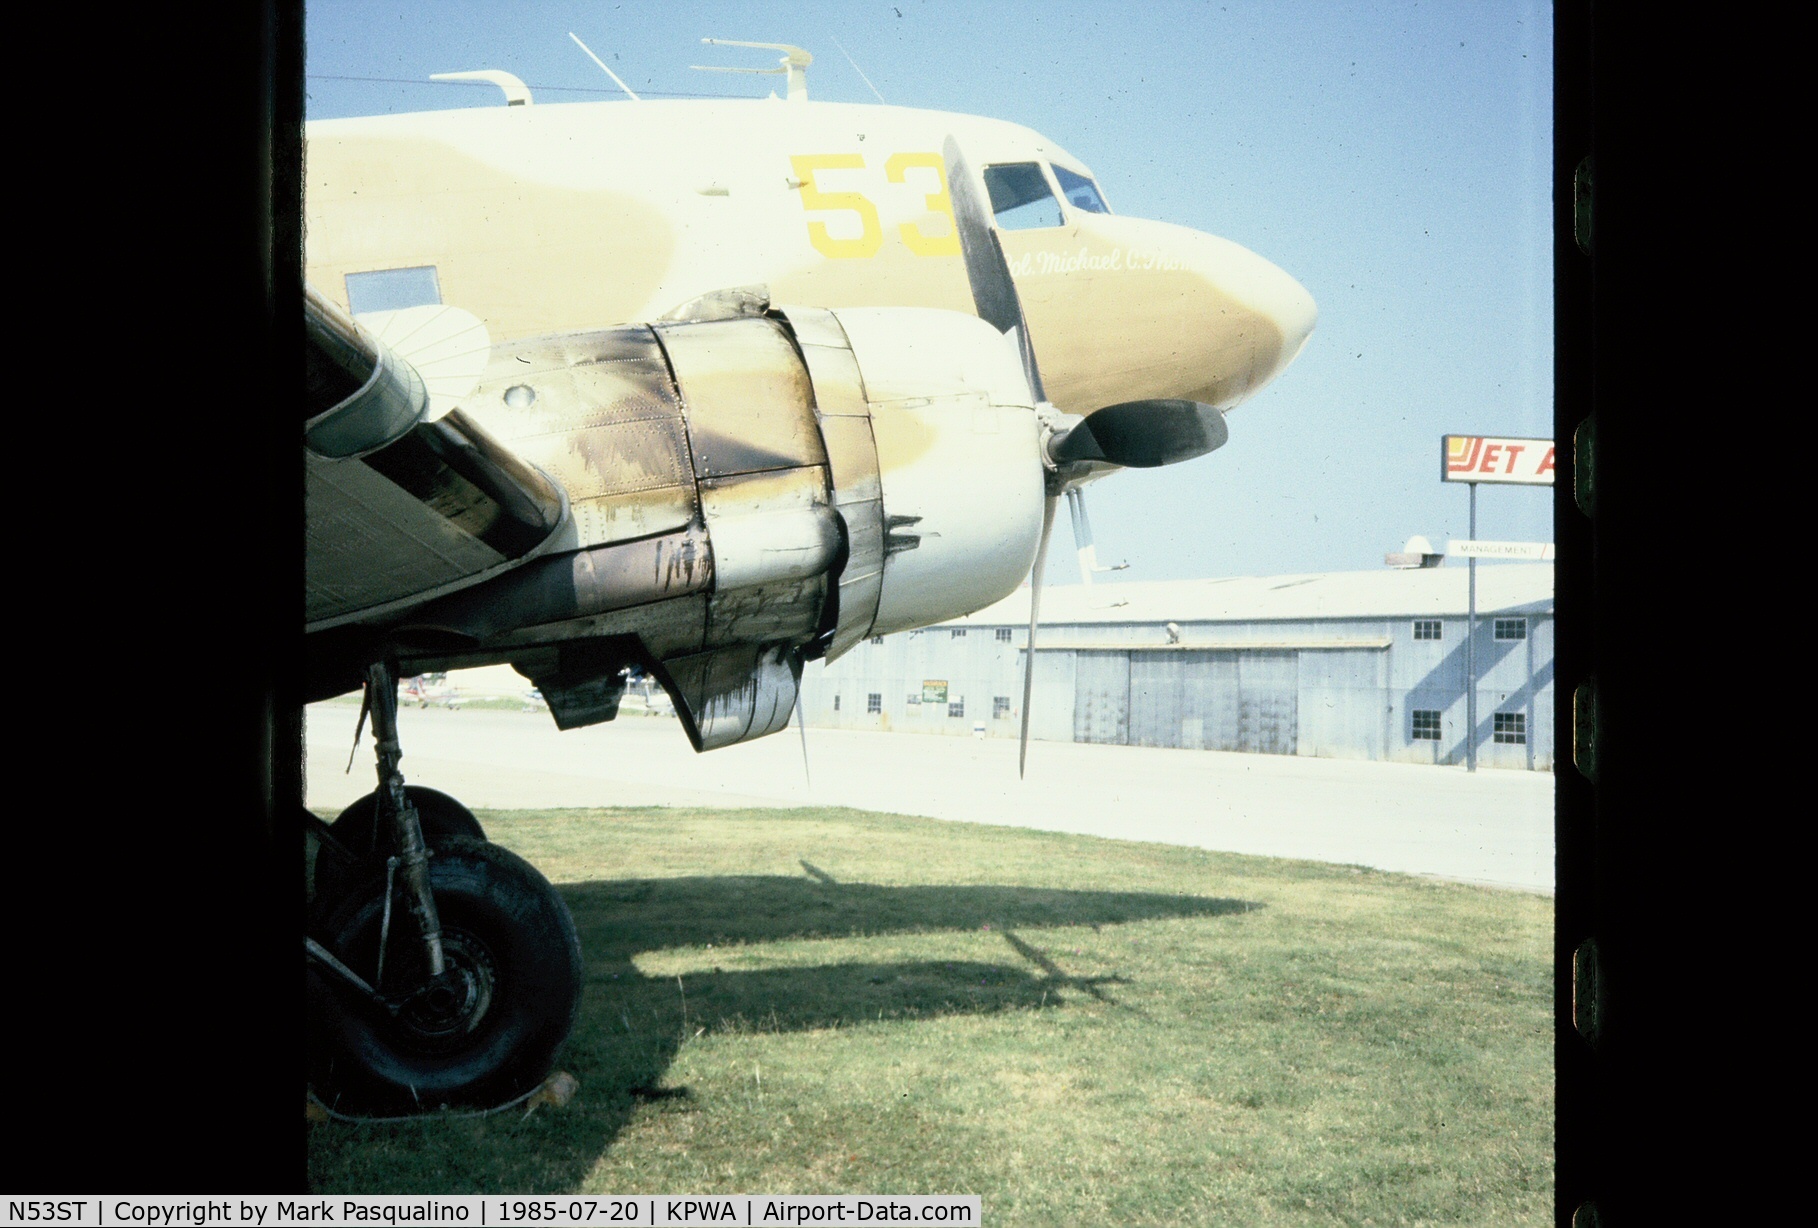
1080,191
1020,197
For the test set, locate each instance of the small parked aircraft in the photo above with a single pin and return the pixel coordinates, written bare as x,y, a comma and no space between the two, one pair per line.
704,390
427,689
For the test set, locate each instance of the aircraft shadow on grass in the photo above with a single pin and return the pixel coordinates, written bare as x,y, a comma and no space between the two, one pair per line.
631,1025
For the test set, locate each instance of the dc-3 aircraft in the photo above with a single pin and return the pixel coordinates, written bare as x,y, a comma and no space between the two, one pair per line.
705,388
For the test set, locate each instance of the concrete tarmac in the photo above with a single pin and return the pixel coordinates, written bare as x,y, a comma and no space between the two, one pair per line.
1493,826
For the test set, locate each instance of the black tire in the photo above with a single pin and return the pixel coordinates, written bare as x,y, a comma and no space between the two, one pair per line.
443,819
509,932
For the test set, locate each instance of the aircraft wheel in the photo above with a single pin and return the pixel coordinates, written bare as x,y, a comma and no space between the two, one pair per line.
488,1030
443,819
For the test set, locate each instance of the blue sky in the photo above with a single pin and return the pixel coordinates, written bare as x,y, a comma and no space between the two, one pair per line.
1395,157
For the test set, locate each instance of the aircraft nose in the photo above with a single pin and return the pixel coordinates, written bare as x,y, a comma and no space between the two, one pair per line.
1127,309
1273,308
1284,302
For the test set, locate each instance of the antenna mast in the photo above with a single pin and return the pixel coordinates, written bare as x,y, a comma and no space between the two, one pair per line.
517,94
794,64
602,63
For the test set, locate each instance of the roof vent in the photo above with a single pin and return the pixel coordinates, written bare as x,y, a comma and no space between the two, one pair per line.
1417,553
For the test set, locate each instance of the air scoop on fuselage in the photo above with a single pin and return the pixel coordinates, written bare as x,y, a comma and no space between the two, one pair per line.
1123,308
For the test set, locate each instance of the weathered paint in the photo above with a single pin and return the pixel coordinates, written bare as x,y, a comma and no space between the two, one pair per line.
892,440
551,218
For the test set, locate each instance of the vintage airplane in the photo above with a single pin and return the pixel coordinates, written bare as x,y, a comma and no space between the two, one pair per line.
701,389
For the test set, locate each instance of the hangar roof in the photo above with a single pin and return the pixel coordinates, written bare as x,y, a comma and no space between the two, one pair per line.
1390,593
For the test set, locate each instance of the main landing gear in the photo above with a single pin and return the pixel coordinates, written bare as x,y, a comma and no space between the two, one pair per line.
443,969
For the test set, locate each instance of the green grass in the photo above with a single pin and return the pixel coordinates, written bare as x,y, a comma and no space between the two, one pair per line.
1080,1030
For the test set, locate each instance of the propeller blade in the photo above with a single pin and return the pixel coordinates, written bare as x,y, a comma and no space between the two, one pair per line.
1035,605
1142,434
994,294
801,721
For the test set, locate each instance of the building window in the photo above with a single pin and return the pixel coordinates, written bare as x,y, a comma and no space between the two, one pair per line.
1004,634
1512,727
957,708
1511,628
874,702
915,700
959,633
1426,725
836,703
877,639
1426,629
1000,706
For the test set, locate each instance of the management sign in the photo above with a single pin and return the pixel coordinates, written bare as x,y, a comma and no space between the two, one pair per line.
1501,550
1489,458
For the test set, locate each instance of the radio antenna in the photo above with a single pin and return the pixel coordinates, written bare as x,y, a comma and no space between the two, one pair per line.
857,69
602,63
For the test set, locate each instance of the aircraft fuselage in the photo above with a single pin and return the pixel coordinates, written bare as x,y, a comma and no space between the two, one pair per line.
552,218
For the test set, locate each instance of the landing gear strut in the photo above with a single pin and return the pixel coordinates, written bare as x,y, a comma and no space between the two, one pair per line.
450,971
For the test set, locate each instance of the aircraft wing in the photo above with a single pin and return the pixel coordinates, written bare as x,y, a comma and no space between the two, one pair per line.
404,503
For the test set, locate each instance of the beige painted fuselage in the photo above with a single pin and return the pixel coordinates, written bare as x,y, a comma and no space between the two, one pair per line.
546,219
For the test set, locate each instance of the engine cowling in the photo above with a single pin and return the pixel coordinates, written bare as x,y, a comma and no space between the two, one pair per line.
749,492
959,475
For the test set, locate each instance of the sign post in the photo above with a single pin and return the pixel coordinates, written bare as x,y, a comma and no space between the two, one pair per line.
1487,458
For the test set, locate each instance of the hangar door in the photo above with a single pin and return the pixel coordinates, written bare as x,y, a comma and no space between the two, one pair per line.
1101,697
1198,699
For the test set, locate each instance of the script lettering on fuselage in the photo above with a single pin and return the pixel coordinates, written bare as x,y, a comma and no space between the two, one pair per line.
820,178
1084,259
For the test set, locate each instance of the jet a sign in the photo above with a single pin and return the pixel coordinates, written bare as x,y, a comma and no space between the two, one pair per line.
1488,458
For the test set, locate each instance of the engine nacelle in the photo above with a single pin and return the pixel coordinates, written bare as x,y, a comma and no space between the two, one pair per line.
958,461
750,491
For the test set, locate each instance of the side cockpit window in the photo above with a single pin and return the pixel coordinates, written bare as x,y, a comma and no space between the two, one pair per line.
1080,191
1020,197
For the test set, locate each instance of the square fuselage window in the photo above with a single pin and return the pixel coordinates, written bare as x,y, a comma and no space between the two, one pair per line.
1426,725
393,289
1511,727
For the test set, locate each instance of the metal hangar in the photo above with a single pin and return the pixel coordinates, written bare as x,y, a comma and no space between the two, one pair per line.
1356,665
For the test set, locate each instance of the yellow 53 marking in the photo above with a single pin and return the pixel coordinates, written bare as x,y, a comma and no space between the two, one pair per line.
914,238
871,230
